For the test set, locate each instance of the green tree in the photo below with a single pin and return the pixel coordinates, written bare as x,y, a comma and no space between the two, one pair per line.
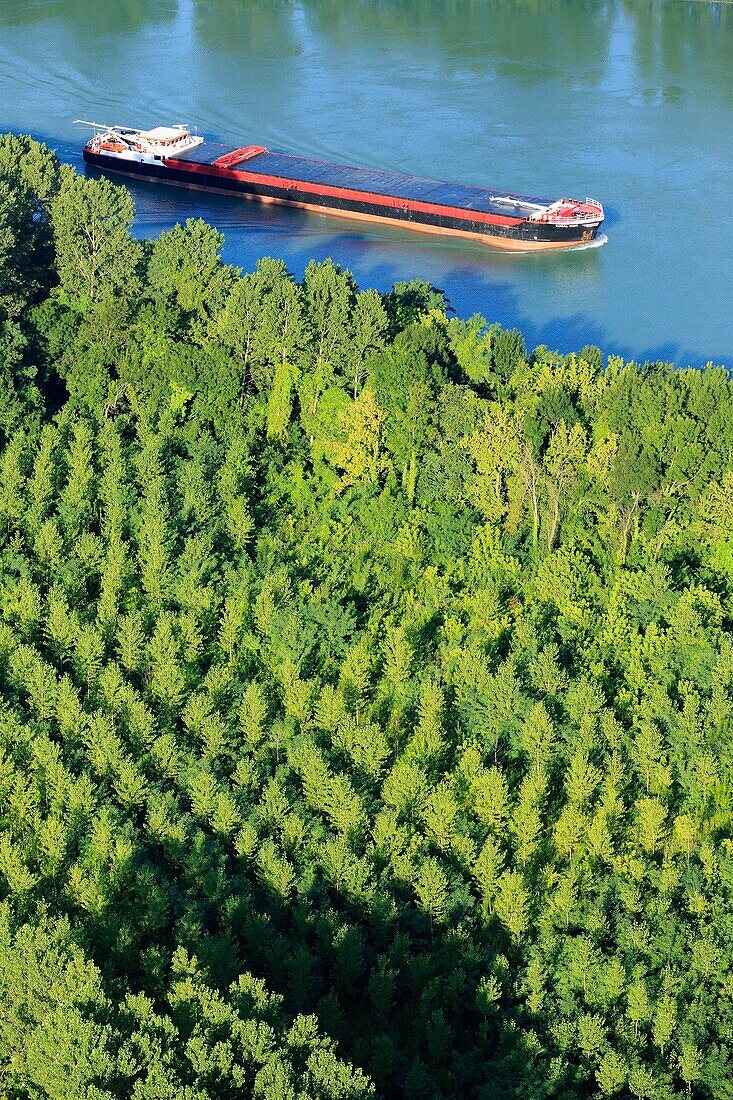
96,259
185,271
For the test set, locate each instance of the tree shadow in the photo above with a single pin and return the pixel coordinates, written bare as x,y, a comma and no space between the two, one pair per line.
396,990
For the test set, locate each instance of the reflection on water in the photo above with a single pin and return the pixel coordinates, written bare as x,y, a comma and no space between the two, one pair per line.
627,100
670,37
89,20
229,26
535,36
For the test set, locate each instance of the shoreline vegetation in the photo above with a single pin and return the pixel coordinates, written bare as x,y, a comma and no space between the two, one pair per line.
366,685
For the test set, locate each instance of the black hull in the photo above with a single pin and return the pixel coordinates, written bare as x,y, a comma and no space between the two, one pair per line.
523,234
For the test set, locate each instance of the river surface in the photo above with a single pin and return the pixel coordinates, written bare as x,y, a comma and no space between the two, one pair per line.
629,101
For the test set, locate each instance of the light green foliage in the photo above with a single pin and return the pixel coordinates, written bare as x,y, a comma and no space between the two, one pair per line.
366,686
95,257
185,269
50,1042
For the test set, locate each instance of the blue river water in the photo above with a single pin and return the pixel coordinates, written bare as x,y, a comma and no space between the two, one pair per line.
629,101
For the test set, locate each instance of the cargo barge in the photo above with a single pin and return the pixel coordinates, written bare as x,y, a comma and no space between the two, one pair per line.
174,154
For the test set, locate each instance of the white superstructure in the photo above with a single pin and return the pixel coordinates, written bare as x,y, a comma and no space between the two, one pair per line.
143,145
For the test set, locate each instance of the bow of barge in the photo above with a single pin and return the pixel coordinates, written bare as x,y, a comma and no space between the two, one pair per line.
173,154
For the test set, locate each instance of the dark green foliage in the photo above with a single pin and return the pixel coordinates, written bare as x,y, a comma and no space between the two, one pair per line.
28,183
366,720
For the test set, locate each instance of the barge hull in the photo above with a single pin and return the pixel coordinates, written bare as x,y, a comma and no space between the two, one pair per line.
487,226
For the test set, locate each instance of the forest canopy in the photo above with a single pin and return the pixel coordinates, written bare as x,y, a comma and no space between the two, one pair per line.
366,685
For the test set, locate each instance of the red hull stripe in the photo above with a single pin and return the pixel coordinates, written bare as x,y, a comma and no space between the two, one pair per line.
317,189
